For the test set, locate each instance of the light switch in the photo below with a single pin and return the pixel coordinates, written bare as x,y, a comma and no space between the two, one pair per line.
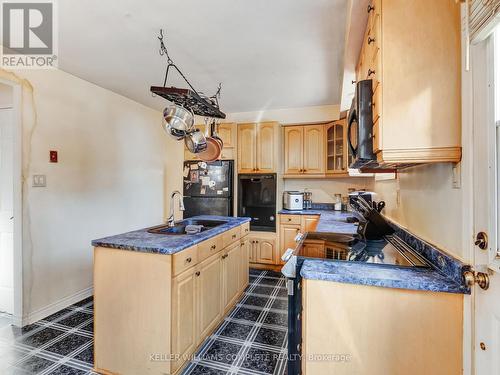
39,180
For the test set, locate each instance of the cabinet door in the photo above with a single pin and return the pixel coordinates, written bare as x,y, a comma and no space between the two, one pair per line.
266,251
314,149
247,140
209,294
266,147
244,267
288,232
294,136
309,223
184,301
231,266
336,147
227,132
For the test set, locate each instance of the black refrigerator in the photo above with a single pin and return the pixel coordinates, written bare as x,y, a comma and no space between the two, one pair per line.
208,188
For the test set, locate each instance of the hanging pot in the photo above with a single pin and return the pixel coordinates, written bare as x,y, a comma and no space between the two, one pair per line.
195,142
213,149
179,121
214,133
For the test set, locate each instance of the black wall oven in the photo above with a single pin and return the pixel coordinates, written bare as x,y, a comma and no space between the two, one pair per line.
360,126
257,200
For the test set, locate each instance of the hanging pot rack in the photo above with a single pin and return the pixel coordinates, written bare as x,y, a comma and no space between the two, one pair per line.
188,98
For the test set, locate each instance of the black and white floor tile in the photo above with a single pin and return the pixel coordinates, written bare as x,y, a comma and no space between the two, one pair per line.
251,340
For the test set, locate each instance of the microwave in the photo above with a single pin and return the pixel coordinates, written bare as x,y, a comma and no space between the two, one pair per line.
360,126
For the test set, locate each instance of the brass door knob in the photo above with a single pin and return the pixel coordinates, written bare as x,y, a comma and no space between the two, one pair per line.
479,278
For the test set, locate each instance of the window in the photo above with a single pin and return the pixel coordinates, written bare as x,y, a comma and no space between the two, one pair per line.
496,100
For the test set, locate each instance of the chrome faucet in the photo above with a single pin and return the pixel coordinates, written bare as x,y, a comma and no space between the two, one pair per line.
170,220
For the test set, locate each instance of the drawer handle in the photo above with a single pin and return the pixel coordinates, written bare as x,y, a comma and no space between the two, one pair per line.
246,229
242,244
214,247
188,260
289,219
224,256
234,235
370,8
370,72
371,40
197,273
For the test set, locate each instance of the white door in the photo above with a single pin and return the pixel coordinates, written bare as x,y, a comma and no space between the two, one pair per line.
486,127
6,211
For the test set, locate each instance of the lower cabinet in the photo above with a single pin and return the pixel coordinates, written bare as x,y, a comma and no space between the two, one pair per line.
263,248
293,225
231,265
209,290
185,292
288,232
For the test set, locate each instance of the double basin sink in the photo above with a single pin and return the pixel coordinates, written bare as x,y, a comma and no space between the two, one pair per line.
179,228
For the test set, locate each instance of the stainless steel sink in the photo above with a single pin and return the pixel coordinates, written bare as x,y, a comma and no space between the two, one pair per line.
180,227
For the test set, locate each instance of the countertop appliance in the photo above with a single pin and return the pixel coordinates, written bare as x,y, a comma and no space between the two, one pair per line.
293,200
257,200
360,126
208,188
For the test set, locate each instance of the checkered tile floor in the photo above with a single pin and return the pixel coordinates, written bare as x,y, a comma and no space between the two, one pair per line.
252,339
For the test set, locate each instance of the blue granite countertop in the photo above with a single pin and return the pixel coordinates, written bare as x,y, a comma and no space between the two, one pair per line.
445,275
413,278
329,221
143,241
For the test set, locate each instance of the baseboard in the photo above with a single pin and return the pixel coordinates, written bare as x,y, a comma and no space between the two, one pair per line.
56,306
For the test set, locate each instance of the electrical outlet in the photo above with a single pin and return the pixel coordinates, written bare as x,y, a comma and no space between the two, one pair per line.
456,176
39,180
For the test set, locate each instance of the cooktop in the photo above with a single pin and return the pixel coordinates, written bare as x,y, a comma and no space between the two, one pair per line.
390,250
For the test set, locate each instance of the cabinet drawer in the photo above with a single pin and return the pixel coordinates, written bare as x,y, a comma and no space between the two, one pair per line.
230,236
245,229
185,259
209,247
290,219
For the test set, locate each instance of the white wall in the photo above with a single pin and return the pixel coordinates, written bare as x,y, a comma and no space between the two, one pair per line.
323,191
429,206
115,168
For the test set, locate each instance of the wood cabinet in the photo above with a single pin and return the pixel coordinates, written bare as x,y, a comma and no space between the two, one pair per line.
231,266
258,147
209,295
169,306
412,122
263,249
227,132
336,147
184,315
304,150
418,328
290,226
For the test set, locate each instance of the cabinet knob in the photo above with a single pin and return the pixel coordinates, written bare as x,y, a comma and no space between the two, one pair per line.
234,235
197,273
188,260
370,72
371,40
289,219
353,82
242,244
256,241
370,8
214,247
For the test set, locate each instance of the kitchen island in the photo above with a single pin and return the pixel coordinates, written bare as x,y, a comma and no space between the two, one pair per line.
158,296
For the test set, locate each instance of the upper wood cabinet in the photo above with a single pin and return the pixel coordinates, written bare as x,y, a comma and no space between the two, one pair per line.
227,132
304,150
258,147
336,147
412,52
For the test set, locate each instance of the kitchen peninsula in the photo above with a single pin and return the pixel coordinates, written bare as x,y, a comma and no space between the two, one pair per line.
160,292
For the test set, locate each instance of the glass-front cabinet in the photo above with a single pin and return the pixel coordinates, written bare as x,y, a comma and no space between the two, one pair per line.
336,147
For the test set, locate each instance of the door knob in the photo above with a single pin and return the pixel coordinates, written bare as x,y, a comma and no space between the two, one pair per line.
481,240
479,278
